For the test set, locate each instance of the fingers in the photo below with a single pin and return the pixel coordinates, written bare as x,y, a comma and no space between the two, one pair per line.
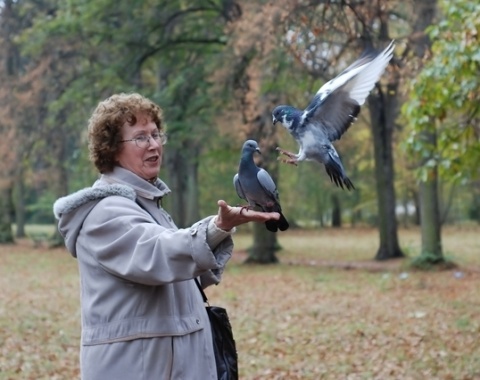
259,216
245,213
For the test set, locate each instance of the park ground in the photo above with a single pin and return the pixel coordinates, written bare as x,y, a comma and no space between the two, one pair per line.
326,311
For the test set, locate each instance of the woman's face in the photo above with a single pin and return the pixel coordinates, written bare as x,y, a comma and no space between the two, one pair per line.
143,159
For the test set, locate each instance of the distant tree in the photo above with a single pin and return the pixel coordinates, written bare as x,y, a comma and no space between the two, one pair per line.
444,115
10,138
49,96
162,50
323,38
252,54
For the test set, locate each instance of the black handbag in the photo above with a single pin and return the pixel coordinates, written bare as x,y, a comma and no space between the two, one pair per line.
223,343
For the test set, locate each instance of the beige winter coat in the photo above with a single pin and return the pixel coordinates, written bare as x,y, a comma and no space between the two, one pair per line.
143,317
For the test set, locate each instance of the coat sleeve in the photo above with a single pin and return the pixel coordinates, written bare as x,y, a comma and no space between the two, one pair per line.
126,242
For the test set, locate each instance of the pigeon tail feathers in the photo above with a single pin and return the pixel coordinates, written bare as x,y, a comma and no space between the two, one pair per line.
337,174
282,223
271,225
275,225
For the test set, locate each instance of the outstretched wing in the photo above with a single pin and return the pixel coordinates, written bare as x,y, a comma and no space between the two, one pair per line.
336,105
335,114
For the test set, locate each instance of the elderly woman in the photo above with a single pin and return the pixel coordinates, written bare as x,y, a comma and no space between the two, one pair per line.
143,316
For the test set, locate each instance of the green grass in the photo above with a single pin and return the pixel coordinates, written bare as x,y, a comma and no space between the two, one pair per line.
327,311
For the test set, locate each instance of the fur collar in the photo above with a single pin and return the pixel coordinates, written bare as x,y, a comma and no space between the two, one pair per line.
71,202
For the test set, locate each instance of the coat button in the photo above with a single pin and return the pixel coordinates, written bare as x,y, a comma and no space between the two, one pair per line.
193,231
198,321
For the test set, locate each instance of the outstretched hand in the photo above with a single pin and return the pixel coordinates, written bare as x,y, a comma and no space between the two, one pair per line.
229,217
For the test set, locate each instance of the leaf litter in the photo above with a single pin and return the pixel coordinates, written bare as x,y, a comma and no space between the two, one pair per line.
294,320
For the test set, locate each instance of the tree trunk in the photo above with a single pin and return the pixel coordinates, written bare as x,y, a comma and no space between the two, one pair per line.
382,108
319,210
192,200
10,68
336,212
60,175
357,211
430,215
264,246
6,233
416,201
430,223
182,170
19,204
474,209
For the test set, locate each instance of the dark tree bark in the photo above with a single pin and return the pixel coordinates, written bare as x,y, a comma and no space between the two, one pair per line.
383,108
182,167
9,70
336,212
60,170
416,201
6,233
264,246
19,205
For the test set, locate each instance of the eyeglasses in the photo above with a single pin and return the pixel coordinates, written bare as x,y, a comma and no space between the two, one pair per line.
143,141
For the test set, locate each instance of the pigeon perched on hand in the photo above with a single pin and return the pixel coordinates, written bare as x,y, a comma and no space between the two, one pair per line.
255,185
330,113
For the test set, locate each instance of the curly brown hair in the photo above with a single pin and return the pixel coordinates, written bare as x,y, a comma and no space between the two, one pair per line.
104,126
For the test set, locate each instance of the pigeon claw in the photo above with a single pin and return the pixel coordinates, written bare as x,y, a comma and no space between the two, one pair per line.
286,152
292,157
290,161
247,207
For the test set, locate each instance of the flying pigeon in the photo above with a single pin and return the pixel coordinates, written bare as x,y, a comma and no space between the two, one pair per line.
255,185
330,113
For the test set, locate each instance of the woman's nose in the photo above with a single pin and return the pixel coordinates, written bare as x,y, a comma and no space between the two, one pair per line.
153,143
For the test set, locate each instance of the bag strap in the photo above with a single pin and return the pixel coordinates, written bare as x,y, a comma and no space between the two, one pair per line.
205,299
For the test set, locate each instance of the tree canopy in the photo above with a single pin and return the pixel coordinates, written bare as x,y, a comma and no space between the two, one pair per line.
218,68
445,96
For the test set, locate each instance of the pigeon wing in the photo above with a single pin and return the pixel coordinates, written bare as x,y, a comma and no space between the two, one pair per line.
360,85
335,114
238,187
370,64
336,105
267,184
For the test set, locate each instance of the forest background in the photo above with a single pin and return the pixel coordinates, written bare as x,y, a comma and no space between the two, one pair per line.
218,68
335,306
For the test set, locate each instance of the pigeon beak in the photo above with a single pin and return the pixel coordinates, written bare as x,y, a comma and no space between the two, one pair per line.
258,151
274,120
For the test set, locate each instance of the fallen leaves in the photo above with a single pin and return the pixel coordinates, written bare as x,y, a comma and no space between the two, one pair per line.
314,322
39,314
290,321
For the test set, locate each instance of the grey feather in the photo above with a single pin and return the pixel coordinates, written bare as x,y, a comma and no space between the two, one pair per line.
255,185
331,112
